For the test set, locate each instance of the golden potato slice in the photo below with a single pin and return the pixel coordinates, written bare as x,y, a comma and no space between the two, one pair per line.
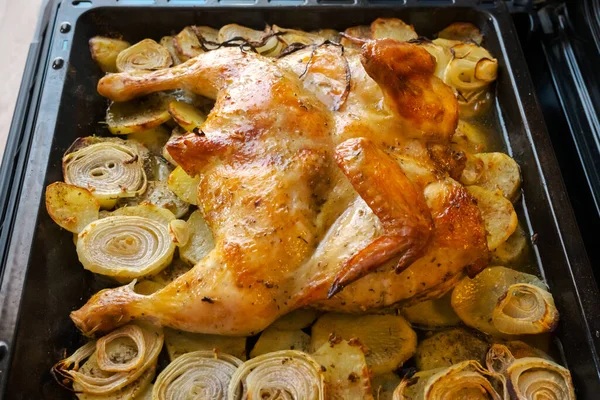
201,240
392,28
70,206
105,51
186,115
206,33
179,343
159,194
463,32
186,44
493,171
298,319
449,347
389,339
346,371
359,32
514,252
138,115
273,339
469,138
184,186
432,313
383,386
154,139
499,216
168,43
175,134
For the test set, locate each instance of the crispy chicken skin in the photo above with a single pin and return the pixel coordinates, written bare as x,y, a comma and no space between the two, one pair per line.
315,197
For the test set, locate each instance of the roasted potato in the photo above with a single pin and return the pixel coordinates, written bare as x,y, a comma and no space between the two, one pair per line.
470,138
186,44
383,386
392,28
159,194
186,115
272,339
297,319
168,42
184,186
499,216
389,338
154,139
432,313
70,206
346,371
449,347
106,50
493,171
201,240
138,115
462,31
514,251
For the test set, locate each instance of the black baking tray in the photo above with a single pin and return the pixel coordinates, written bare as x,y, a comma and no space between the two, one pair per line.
42,281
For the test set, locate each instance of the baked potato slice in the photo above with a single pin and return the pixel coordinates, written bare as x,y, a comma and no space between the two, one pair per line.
186,44
201,240
106,50
499,216
138,115
392,28
184,186
389,338
273,339
71,207
186,115
493,171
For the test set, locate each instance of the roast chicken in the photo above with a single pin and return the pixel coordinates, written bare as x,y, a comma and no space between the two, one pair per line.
326,177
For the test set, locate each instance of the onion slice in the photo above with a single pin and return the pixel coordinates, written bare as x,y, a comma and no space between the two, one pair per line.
146,55
467,379
131,243
94,379
531,378
286,374
525,309
109,169
201,374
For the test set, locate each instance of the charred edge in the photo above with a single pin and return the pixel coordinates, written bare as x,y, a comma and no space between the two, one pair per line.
354,39
420,40
238,41
208,300
292,48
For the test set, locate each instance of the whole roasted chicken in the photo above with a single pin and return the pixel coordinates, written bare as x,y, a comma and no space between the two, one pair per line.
326,177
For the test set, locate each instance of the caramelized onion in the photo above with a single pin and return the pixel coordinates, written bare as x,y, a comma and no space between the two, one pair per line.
525,309
286,374
201,374
146,55
110,170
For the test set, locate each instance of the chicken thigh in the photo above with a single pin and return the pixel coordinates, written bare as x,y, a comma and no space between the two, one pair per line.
318,191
